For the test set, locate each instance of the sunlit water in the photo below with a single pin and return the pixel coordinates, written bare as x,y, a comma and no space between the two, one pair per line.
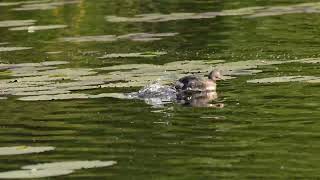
86,89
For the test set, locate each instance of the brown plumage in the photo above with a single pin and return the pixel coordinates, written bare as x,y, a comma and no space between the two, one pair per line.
196,84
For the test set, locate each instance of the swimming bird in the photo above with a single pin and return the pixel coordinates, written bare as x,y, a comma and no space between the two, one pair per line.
197,84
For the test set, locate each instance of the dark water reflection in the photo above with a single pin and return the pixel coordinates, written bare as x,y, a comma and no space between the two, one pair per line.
266,130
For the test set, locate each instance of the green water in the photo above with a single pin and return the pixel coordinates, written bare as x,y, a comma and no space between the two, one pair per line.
264,131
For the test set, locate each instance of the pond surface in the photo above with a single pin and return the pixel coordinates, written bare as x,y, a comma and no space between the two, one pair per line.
67,67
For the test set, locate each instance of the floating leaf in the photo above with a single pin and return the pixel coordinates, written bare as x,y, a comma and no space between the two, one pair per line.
13,23
55,97
71,165
133,55
37,93
251,12
23,174
103,38
110,38
6,49
71,96
9,3
23,150
282,79
22,2
53,169
45,6
54,52
290,9
38,28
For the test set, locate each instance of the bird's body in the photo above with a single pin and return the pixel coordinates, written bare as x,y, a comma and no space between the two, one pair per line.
198,84
194,84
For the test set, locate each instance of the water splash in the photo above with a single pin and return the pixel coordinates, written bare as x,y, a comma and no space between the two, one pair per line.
155,94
